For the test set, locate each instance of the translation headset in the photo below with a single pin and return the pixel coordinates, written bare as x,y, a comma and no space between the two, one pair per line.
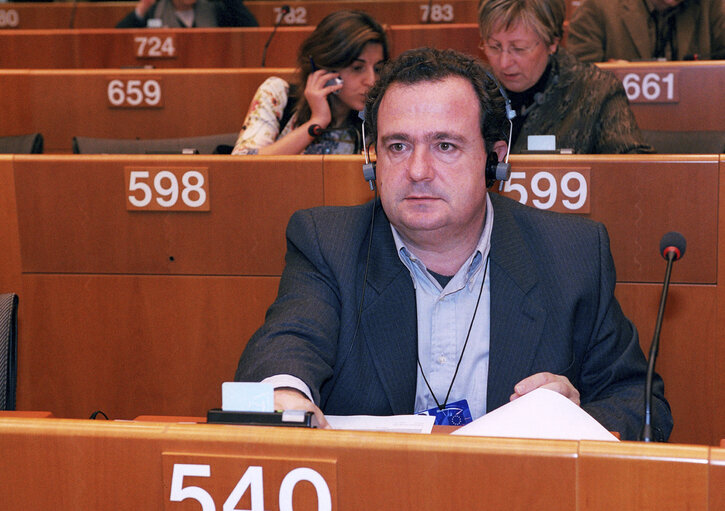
495,170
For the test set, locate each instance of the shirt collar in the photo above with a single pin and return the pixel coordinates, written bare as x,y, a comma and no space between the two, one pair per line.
467,272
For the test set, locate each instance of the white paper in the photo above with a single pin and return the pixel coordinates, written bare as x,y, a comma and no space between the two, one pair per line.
541,143
541,413
247,397
394,423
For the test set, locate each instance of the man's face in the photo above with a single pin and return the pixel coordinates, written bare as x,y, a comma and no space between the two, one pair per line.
431,159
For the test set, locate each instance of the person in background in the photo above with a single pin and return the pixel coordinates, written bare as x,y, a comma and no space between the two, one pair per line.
586,108
188,13
337,65
604,30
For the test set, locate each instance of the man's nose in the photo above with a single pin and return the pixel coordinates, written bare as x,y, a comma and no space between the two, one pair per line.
421,165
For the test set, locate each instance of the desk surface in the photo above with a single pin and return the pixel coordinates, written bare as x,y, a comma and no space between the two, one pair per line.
136,465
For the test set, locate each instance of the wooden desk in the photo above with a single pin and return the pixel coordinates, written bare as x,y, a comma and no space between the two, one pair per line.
46,462
198,48
674,96
106,14
403,12
310,12
137,313
162,48
144,104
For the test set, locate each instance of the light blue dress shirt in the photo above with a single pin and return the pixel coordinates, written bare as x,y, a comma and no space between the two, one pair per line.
444,317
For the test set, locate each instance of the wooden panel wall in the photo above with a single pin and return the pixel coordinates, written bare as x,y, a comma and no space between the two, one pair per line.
62,104
109,321
46,462
305,12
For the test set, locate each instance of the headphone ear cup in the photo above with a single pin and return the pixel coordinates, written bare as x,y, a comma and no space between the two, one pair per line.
496,170
369,172
491,162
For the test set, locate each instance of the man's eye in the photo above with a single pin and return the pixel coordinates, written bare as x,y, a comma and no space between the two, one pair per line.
446,146
397,147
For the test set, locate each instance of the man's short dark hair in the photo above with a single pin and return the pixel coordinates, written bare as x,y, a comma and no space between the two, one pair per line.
432,65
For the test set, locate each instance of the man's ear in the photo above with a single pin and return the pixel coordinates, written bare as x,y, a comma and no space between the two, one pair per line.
500,149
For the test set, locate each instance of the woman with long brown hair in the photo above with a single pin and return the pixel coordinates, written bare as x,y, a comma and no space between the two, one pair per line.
337,65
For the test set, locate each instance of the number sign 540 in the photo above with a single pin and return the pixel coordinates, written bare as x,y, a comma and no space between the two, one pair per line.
562,190
252,481
167,189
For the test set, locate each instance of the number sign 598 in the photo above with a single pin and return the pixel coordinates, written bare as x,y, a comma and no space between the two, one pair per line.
167,189
562,190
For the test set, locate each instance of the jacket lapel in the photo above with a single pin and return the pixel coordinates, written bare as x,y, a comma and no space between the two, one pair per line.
687,20
517,319
388,321
632,14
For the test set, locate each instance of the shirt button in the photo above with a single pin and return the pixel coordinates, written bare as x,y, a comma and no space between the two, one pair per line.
442,359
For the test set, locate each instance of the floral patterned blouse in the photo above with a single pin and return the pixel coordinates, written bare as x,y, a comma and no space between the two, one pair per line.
262,124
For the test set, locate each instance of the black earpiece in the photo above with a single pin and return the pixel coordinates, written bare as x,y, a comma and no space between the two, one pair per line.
496,170
368,166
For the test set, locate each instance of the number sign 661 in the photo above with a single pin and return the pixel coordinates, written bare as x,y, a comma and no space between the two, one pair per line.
548,186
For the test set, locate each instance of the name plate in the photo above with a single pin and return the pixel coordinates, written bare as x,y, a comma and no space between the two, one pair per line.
649,85
220,482
167,188
561,190
155,46
134,93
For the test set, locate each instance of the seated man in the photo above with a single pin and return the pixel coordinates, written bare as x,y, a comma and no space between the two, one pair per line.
439,291
602,30
188,13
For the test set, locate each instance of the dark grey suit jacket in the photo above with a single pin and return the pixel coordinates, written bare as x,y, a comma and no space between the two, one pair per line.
553,309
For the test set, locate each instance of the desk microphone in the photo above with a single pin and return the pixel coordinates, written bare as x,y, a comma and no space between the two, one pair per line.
283,13
672,248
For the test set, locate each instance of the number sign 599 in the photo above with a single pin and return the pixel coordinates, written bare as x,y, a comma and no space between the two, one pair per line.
562,190
167,189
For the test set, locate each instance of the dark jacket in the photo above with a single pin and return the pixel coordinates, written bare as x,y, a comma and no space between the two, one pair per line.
552,309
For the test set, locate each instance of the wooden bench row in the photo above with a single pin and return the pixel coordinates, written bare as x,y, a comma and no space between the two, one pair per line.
198,48
146,312
174,103
155,465
54,15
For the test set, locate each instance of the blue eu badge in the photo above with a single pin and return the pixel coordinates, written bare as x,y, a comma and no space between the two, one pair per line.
452,414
